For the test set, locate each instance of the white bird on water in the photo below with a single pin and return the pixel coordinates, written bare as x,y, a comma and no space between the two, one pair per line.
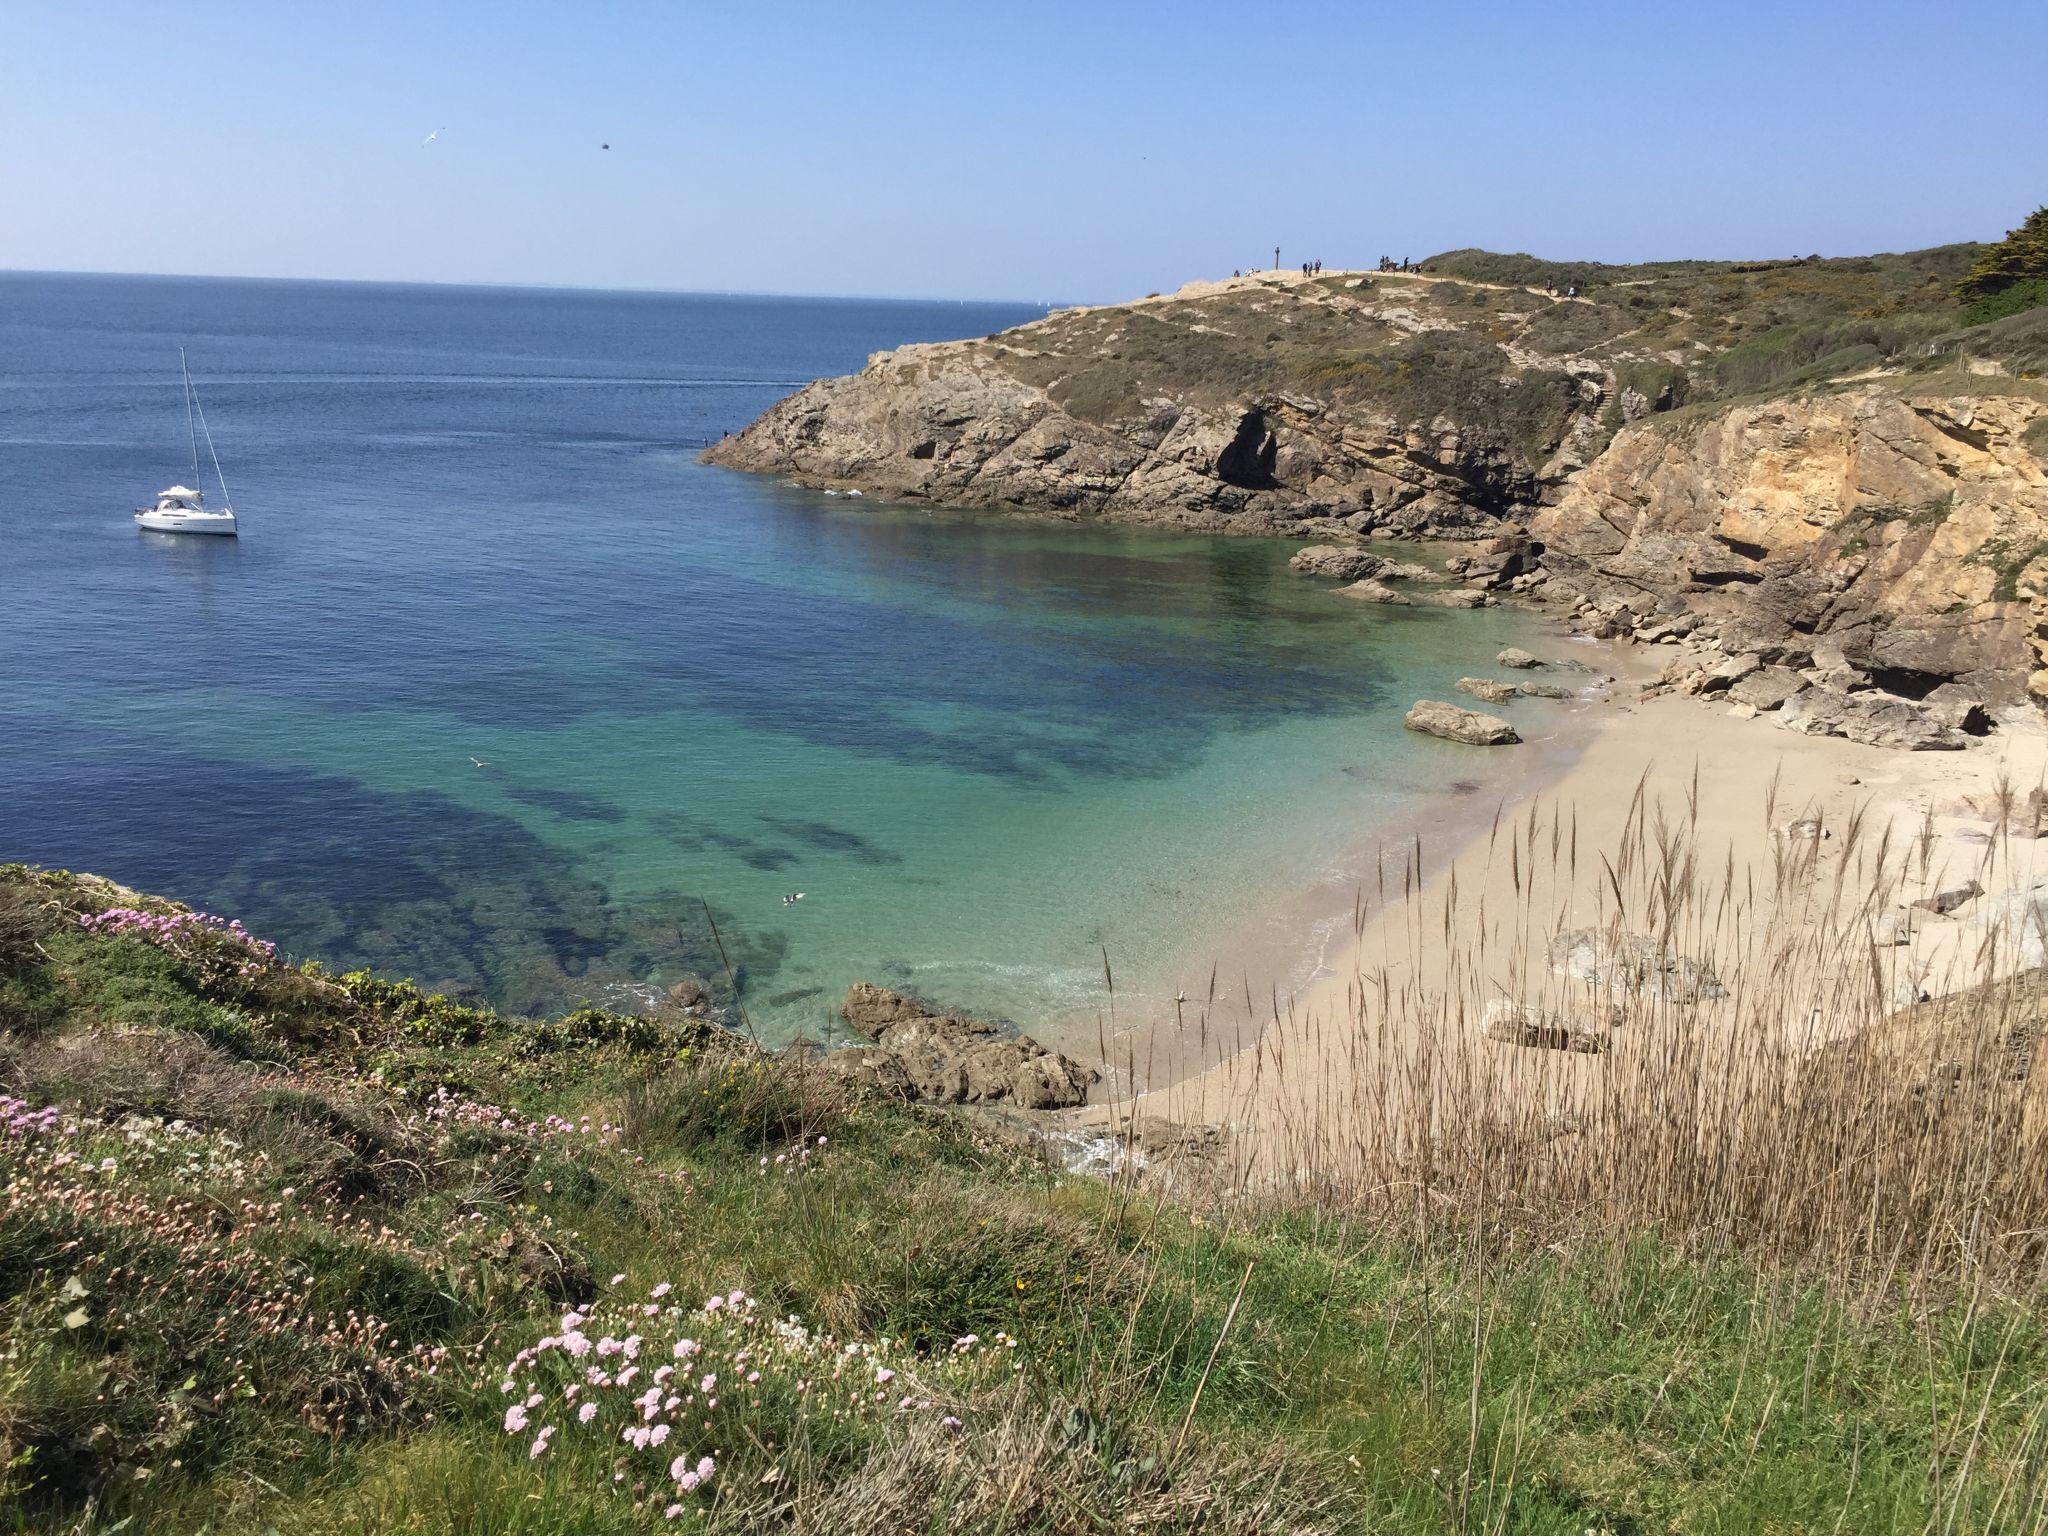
431,137
479,762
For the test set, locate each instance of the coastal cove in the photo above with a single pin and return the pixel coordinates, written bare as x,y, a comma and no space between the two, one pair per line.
502,690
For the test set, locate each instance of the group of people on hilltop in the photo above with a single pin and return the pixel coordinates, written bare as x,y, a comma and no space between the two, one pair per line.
1308,269
1388,264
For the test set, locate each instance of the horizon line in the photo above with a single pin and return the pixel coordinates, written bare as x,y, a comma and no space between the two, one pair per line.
535,287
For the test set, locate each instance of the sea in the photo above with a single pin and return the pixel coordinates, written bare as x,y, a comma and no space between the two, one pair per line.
501,690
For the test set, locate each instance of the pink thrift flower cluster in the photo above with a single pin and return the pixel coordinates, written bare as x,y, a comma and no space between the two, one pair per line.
23,1120
795,1160
682,1390
187,934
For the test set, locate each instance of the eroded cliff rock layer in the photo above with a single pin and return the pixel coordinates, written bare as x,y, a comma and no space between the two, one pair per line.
1894,528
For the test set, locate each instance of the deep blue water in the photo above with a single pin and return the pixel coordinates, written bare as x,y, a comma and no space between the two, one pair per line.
474,528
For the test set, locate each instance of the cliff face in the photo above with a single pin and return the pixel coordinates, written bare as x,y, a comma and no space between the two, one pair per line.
1391,403
1894,528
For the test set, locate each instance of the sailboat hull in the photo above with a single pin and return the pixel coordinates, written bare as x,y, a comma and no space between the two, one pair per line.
219,524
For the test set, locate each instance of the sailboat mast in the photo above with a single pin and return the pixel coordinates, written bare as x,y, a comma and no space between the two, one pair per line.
189,432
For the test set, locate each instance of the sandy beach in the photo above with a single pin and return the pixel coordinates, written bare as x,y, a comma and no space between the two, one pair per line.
1808,841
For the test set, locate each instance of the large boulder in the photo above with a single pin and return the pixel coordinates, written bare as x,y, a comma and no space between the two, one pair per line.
1874,719
1766,688
935,1057
1433,717
1517,658
1632,965
1513,1023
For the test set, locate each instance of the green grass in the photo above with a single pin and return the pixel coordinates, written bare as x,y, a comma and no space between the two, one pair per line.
164,1359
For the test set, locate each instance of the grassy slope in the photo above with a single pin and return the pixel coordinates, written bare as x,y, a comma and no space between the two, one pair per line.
186,1335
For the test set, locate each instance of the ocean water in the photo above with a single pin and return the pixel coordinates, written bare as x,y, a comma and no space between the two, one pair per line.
503,691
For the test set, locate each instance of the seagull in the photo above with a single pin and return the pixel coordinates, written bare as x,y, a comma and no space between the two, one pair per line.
604,146
480,762
431,137
792,899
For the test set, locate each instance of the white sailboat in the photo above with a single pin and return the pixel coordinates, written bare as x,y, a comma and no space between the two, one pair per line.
181,509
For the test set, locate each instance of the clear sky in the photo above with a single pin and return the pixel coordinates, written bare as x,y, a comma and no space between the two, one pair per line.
1052,150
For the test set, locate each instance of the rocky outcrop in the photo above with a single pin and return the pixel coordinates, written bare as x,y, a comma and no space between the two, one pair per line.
1879,534
1433,717
928,1056
1255,406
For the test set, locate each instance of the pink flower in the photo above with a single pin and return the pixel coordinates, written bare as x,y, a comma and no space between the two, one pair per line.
515,1418
884,1376
586,1413
708,1383
661,1290
949,1422
539,1446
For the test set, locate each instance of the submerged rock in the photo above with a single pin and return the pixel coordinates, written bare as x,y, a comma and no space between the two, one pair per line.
1336,562
1456,597
947,1058
1370,591
1488,689
1433,717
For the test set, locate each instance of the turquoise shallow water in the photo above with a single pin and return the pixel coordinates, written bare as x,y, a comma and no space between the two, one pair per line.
986,750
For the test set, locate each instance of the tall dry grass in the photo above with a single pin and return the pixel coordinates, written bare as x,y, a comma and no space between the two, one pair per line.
1751,1074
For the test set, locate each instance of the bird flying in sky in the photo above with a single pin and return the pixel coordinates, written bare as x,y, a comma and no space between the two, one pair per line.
431,137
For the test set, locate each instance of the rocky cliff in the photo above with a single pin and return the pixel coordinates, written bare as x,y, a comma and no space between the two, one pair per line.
1895,527
1391,402
1813,462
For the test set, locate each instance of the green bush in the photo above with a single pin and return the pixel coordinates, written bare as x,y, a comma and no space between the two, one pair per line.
2019,259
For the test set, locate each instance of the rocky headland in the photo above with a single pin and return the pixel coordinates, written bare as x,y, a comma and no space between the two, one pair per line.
1816,476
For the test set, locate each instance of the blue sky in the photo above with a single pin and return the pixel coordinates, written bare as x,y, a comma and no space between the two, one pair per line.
1031,151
